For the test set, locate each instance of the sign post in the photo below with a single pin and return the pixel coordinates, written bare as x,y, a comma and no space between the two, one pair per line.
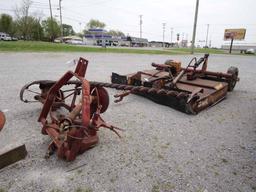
231,45
234,34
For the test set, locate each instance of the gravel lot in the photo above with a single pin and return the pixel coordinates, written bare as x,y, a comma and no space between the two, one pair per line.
161,150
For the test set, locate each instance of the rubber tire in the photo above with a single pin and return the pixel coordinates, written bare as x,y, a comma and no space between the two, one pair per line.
234,72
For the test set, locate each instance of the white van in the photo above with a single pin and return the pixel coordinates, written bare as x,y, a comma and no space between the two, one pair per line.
5,37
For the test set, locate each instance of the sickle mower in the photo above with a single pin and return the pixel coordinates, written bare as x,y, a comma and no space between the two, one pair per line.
188,89
71,111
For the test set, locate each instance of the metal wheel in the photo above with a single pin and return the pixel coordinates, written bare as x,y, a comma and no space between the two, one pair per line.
103,99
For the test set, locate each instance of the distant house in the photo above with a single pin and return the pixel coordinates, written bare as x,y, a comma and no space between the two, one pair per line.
160,44
166,44
137,42
100,37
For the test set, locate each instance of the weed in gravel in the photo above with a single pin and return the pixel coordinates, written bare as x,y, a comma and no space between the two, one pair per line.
113,179
56,190
159,156
162,187
150,175
79,189
155,138
216,173
179,170
165,146
155,188
2,190
79,171
224,160
201,190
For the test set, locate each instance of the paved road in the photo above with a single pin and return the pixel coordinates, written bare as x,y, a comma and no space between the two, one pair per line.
161,150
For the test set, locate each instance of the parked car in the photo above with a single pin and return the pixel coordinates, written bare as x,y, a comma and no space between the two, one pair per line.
75,42
5,37
2,35
57,40
14,39
249,51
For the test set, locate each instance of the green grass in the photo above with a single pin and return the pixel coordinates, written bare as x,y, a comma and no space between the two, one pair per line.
39,46
200,50
36,46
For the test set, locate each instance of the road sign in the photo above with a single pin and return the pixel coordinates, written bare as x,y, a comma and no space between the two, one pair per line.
235,34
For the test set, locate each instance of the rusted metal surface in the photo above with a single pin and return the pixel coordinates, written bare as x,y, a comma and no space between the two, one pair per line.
2,120
187,89
12,154
71,111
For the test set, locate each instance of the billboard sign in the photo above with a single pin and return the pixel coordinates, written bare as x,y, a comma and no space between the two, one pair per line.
236,34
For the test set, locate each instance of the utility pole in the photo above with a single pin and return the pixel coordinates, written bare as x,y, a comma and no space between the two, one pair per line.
206,41
80,27
163,32
171,34
61,27
50,5
194,29
140,26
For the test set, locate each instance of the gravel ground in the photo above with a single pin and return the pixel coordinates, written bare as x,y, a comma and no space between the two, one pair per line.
161,150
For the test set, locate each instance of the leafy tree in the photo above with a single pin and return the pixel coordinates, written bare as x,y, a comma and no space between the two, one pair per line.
14,29
51,28
115,33
80,35
37,30
24,21
67,30
26,27
94,23
6,23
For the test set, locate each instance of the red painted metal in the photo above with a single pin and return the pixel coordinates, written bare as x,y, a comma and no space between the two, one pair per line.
2,120
76,131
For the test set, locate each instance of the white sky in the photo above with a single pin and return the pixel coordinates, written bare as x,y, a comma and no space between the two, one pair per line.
179,14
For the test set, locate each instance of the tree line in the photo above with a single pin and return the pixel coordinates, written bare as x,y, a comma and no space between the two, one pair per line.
32,27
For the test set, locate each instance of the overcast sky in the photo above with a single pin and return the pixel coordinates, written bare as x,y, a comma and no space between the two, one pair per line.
177,14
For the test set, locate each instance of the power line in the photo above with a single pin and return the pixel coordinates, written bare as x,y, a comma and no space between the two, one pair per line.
50,5
94,3
171,33
72,19
163,32
61,27
206,41
194,29
140,26
6,9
